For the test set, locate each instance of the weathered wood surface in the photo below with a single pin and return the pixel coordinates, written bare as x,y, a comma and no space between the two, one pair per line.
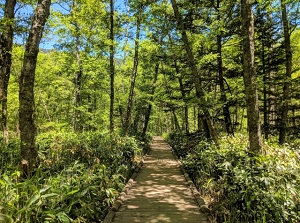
160,192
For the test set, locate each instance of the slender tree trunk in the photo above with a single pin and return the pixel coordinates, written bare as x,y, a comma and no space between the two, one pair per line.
120,108
26,93
250,77
126,32
272,102
112,69
226,112
149,108
186,119
199,91
266,125
6,43
91,109
288,73
186,110
134,70
136,120
147,118
176,123
195,117
77,122
265,104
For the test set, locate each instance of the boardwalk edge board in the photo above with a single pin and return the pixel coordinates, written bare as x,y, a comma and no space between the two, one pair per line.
203,207
117,204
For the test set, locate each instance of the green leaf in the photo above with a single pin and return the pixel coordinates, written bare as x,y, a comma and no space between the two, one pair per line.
5,219
44,189
73,192
49,195
63,217
5,177
32,200
2,182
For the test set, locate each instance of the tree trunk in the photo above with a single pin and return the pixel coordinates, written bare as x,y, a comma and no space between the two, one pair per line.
77,125
186,111
149,108
147,118
288,73
137,118
199,91
265,104
272,102
120,108
6,43
250,77
176,123
226,112
134,70
112,69
225,106
26,93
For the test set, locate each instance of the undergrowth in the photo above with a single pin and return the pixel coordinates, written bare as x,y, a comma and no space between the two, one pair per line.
77,178
239,187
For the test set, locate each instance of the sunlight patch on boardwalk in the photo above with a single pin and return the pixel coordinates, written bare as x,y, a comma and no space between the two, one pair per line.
160,192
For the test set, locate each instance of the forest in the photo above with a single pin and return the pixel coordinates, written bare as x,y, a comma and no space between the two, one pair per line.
85,84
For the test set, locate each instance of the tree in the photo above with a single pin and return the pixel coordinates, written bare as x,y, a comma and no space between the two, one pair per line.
254,130
134,69
26,93
111,67
149,108
288,73
225,104
6,43
199,91
83,29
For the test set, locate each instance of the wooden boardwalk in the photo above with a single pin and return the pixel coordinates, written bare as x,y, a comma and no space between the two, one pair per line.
160,192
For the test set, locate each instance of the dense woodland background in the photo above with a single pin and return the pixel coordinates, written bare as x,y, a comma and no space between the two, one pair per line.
85,83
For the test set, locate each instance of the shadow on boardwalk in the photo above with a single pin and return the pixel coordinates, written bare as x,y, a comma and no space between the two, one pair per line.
160,192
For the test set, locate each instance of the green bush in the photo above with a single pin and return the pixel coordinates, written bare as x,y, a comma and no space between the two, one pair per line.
9,156
242,188
78,178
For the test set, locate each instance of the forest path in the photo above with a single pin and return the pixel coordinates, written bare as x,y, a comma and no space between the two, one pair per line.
160,192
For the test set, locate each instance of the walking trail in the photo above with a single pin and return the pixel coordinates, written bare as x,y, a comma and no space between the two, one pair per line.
160,192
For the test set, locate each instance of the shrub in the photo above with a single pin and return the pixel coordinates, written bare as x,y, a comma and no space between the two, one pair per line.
78,178
242,188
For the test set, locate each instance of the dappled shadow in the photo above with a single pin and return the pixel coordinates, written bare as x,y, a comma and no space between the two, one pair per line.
160,192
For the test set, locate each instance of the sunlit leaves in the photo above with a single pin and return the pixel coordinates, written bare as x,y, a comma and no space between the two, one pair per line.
240,188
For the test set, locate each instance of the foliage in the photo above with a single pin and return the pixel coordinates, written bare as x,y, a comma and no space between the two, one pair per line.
183,144
79,174
78,178
241,188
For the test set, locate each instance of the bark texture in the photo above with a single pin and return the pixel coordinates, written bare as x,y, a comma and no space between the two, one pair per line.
26,93
254,128
288,73
6,43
